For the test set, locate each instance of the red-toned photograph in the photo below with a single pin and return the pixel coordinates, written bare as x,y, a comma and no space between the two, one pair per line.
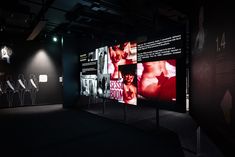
122,54
157,80
129,83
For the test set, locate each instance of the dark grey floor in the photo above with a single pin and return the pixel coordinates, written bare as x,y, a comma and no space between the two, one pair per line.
53,131
144,117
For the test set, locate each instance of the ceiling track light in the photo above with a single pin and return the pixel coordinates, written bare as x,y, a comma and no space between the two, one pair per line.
55,38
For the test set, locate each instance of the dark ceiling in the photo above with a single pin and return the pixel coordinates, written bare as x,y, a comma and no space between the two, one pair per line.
19,18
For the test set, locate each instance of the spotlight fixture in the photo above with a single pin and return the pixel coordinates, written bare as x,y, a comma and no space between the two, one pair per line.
55,39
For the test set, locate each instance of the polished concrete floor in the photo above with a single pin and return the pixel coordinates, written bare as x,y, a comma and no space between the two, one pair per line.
144,117
42,131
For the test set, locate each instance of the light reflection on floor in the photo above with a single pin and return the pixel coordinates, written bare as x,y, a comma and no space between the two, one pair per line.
32,109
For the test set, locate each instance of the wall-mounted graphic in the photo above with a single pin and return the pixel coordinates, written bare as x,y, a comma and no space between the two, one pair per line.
6,52
157,80
122,54
10,90
226,106
129,77
200,38
21,87
33,87
43,78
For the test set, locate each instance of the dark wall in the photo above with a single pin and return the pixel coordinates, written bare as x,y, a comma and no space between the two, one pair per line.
26,59
213,73
70,71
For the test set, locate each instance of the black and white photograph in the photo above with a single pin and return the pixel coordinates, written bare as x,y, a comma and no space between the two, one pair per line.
102,60
103,86
92,56
88,85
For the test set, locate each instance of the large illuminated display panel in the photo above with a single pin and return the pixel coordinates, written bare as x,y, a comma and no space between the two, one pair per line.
161,71
122,54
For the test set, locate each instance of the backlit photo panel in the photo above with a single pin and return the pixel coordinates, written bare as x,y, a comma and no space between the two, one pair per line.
129,80
88,85
102,60
103,86
122,54
157,80
116,89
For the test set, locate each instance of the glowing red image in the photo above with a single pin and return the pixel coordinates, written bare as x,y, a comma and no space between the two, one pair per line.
157,80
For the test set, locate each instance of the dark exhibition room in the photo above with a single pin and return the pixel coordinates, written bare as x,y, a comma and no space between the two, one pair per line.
128,78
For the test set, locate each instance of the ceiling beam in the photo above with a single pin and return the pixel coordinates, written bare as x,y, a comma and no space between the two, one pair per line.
40,21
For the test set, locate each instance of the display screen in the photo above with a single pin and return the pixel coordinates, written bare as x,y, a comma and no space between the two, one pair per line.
133,73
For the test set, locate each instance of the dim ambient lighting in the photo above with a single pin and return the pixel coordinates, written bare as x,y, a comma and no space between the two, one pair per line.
41,62
42,78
